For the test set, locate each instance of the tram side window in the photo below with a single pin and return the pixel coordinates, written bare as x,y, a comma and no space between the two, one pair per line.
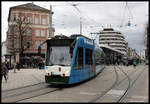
97,58
102,58
79,59
88,58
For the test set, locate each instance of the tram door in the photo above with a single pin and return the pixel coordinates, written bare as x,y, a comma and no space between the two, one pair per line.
89,65
78,65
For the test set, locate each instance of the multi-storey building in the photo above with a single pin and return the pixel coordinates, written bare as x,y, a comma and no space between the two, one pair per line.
114,39
28,26
147,42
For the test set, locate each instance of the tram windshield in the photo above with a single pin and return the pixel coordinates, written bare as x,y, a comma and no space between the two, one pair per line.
57,55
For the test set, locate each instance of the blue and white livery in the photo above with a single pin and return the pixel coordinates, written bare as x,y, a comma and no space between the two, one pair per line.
73,59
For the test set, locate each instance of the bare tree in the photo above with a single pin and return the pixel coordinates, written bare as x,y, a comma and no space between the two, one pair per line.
18,29
23,24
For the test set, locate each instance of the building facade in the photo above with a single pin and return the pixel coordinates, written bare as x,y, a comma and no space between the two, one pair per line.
114,39
3,50
28,27
147,42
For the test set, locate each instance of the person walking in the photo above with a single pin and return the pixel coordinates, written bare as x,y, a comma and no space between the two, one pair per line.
30,62
40,64
4,72
127,63
134,63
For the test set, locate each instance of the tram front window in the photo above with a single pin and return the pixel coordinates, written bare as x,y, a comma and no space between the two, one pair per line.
58,56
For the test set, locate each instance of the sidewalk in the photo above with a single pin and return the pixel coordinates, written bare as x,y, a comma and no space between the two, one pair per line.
24,77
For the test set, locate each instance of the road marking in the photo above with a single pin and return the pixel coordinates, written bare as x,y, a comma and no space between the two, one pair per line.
87,93
116,92
139,97
136,100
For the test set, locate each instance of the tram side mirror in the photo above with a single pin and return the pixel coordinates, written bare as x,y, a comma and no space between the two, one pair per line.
39,50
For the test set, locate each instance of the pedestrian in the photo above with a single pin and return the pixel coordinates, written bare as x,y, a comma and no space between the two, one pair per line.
4,72
18,66
134,63
127,63
30,62
40,64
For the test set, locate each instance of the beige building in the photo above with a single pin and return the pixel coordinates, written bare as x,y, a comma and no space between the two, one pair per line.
28,26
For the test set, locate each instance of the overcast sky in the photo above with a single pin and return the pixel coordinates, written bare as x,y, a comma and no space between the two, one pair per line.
95,16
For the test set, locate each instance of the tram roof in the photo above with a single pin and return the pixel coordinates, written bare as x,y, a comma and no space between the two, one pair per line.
110,48
79,35
73,36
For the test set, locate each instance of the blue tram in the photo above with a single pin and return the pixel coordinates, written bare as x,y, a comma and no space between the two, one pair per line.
73,59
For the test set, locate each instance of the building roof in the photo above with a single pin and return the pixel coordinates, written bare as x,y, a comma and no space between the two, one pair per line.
30,6
111,48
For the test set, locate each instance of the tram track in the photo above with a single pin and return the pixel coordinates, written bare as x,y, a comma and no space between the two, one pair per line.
127,76
130,85
42,89
102,94
22,87
116,83
24,93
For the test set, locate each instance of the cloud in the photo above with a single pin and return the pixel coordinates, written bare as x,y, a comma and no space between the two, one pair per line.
66,18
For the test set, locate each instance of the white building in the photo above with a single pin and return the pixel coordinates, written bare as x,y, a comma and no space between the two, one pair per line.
3,50
113,39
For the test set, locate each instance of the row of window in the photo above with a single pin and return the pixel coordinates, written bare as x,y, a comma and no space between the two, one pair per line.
79,59
117,46
111,36
110,32
99,58
111,42
38,32
111,39
29,19
29,44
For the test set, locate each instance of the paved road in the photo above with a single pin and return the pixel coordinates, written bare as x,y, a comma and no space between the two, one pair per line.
86,92
139,91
